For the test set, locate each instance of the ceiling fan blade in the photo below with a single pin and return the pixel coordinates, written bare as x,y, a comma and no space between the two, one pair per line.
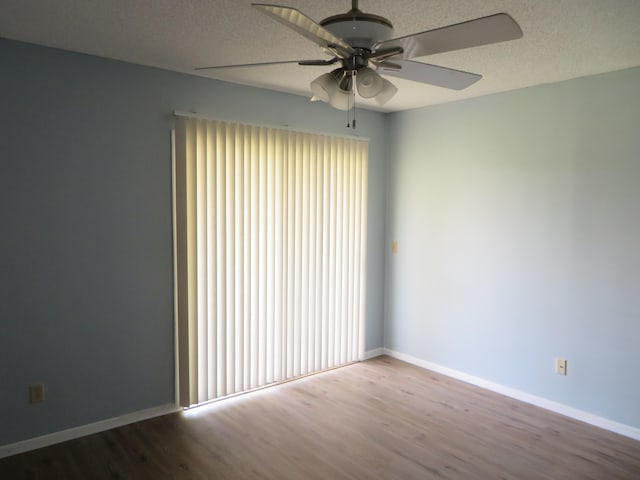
300,23
331,61
473,33
386,64
263,64
431,74
383,53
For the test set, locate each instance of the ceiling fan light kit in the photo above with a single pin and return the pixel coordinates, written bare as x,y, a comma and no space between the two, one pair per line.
363,44
334,88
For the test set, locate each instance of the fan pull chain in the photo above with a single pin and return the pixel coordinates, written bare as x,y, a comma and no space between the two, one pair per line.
351,106
353,124
348,112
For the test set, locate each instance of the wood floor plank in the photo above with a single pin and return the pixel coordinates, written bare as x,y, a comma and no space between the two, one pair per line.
379,419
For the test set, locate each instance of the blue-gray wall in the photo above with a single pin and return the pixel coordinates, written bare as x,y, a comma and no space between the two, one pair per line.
85,215
517,218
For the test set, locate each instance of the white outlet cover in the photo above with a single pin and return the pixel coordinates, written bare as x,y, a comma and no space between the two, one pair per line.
561,366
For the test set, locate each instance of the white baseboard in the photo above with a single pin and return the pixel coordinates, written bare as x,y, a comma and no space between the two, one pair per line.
84,430
101,426
376,352
586,417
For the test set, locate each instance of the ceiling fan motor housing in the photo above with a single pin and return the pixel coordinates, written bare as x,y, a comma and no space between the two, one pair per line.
359,29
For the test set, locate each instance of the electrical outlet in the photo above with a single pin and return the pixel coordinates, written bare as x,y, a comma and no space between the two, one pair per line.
394,246
36,393
561,366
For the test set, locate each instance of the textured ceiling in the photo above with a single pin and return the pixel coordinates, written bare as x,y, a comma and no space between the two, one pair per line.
563,39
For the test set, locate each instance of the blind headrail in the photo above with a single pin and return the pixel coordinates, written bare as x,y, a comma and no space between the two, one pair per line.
283,126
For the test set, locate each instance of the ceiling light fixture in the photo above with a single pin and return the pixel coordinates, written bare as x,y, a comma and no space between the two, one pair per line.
337,87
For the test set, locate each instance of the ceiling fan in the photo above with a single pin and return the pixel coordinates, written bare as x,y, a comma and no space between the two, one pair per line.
362,44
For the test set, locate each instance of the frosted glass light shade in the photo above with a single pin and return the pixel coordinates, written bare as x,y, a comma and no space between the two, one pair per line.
341,100
323,86
388,91
342,97
369,83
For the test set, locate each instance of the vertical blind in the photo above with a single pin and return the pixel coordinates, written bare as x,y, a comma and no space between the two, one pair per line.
270,255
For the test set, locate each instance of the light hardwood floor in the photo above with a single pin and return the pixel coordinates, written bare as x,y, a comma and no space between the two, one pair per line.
379,419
